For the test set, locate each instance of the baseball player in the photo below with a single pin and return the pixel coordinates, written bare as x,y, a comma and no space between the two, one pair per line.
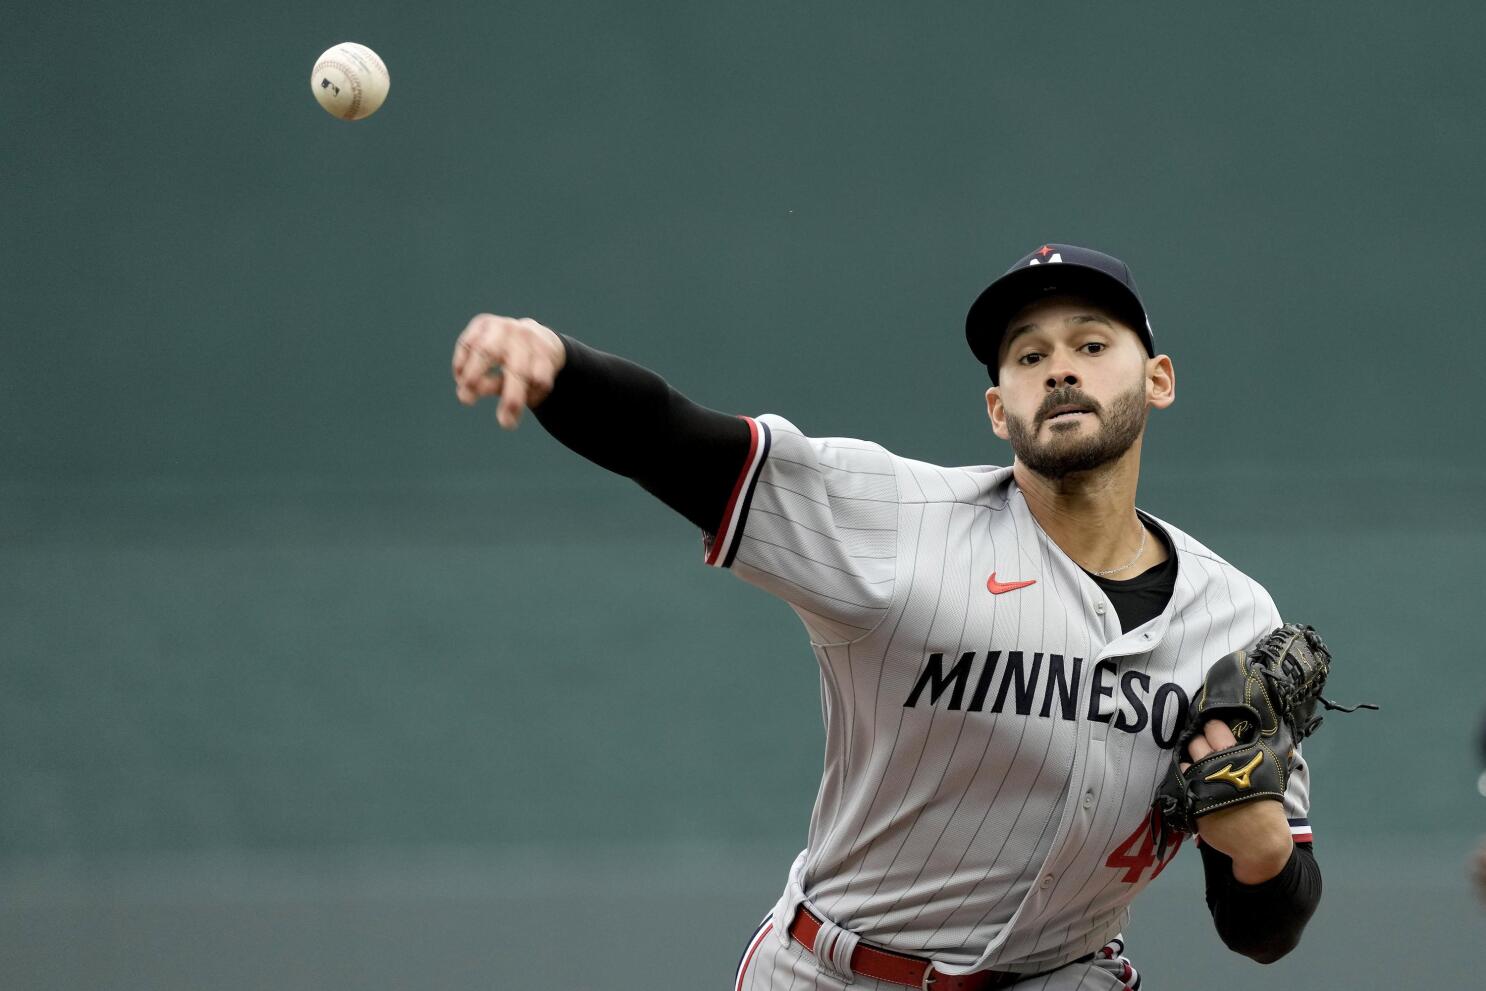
1007,654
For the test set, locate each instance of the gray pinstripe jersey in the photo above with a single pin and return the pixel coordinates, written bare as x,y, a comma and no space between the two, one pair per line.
992,746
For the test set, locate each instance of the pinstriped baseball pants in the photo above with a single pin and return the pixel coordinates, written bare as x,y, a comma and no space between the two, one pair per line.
768,964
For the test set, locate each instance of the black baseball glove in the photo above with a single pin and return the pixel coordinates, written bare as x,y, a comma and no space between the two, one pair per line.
1267,695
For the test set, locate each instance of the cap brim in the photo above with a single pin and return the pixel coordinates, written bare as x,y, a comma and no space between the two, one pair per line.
985,323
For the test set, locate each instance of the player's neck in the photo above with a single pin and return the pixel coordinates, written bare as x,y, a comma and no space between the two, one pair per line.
1091,515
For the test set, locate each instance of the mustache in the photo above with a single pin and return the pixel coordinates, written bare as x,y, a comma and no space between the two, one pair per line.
1066,395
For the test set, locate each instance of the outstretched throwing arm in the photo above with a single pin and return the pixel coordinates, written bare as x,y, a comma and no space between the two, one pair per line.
615,413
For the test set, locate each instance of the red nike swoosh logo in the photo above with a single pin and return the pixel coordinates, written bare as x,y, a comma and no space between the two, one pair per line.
998,587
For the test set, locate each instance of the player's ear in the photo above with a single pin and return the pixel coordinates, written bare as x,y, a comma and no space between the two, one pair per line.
1160,381
996,410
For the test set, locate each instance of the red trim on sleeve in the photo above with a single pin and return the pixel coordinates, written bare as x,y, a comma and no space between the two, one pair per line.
718,548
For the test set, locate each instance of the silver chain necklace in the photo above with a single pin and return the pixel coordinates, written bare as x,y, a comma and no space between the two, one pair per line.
1130,563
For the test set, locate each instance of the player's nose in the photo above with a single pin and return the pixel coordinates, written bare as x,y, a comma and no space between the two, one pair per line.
1060,369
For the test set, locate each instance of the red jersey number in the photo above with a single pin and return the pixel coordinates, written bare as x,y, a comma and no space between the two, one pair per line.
1138,853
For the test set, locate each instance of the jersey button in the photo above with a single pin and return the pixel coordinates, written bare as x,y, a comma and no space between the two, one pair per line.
1088,799
1099,608
1047,881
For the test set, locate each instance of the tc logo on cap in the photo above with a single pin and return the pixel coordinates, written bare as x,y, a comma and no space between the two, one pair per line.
1082,272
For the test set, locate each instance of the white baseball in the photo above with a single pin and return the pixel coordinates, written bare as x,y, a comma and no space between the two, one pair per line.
350,81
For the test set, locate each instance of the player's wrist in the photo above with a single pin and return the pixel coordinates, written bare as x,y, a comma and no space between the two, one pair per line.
556,347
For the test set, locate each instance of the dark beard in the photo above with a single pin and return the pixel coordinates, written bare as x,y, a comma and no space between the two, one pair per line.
1120,426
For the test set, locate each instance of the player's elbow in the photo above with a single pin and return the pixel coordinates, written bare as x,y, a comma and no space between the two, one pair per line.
1268,950
1264,922
1268,941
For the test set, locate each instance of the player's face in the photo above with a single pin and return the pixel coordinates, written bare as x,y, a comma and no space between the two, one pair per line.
1075,387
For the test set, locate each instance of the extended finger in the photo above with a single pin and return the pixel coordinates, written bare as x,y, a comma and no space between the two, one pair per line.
488,343
490,385
1219,736
1198,748
463,344
470,388
461,349
512,401
516,382
483,354
464,353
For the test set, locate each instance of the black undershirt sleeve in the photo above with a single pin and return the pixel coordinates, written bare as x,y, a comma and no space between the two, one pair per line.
1262,921
624,417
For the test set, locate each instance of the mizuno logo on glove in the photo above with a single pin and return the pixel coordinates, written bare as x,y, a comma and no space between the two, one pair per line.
1239,779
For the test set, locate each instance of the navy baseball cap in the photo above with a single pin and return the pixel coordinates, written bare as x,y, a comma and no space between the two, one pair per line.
1054,269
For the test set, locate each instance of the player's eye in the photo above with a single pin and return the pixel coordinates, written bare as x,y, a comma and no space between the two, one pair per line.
1094,347
1030,358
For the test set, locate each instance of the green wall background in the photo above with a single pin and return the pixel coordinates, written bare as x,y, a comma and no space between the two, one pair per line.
311,677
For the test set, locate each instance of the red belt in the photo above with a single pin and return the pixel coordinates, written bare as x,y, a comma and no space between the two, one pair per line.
900,968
